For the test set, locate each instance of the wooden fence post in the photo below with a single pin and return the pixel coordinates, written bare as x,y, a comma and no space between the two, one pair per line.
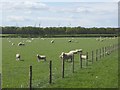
50,68
0,82
103,51
96,54
87,59
73,63
30,78
100,53
112,47
81,60
92,56
63,68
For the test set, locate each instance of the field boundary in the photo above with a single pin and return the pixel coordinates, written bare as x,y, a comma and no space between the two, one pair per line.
99,54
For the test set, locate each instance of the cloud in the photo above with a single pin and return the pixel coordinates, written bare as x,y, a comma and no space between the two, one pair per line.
87,13
62,0
55,18
26,5
16,18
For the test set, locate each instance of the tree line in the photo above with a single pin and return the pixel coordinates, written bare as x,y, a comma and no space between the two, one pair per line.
58,30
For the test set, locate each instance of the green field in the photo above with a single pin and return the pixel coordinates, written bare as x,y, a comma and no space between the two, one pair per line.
16,73
0,55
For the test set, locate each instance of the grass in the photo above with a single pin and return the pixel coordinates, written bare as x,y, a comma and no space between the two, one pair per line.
101,74
15,74
0,55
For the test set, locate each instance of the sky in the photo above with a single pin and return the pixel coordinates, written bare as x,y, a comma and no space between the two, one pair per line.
54,13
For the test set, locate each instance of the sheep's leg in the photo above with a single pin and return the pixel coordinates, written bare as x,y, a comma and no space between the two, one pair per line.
71,60
45,59
66,60
38,60
17,59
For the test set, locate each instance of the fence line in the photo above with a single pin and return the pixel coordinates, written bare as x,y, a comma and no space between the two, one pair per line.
92,57
73,64
30,78
101,52
50,68
63,65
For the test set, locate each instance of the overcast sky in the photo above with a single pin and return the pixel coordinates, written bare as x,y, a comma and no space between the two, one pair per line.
60,13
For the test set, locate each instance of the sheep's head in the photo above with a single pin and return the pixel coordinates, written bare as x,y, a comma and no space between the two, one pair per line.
61,56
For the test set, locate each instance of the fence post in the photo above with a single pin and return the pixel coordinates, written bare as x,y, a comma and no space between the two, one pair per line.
96,54
0,82
92,56
63,68
50,68
87,59
103,52
30,78
73,63
113,48
100,53
81,60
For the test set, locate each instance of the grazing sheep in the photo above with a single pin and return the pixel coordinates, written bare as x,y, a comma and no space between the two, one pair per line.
69,41
84,56
39,57
28,41
73,51
76,51
79,50
66,56
32,38
17,57
21,44
42,38
107,53
52,41
13,44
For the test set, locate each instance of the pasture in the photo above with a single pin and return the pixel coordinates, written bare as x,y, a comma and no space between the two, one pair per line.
0,55
16,73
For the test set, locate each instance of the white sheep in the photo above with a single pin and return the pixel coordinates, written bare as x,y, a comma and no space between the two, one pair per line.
39,57
79,50
84,56
42,38
13,44
17,57
21,44
108,53
52,41
69,41
28,41
73,51
66,56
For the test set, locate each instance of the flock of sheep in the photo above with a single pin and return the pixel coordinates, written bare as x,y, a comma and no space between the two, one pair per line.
106,38
63,56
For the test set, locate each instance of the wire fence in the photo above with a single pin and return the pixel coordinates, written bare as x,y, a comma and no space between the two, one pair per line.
53,73
70,68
